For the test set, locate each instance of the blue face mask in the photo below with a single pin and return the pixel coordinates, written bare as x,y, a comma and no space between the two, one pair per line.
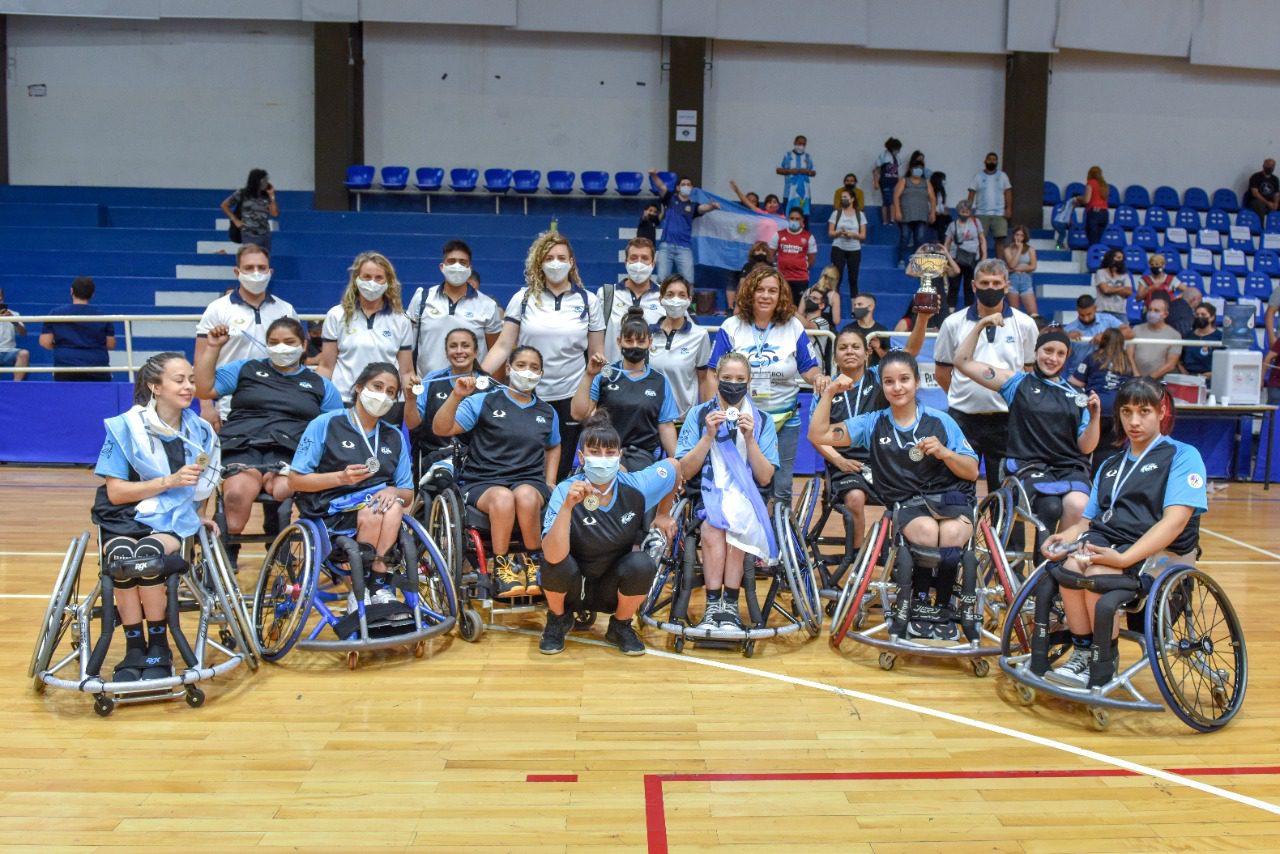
601,470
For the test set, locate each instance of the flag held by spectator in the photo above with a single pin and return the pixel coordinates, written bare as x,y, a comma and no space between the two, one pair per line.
721,238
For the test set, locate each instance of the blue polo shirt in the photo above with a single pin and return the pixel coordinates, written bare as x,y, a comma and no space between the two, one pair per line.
79,345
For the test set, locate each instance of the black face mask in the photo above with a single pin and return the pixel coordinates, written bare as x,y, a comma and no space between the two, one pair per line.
811,306
859,313
1200,323
733,393
1267,171
1118,266
991,167
990,297
635,354
759,259
851,187
651,218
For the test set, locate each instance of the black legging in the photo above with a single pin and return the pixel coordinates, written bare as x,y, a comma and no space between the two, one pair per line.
631,575
569,432
849,260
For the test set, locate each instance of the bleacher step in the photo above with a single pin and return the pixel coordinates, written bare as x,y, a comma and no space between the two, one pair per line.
222,224
216,247
186,299
1060,291
163,328
1058,267
204,272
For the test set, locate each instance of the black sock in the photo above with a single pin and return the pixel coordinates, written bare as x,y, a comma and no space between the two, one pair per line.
157,633
713,596
1081,641
731,595
133,638
377,580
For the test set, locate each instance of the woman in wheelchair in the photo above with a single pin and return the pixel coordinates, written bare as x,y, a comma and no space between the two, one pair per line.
351,470
729,447
158,461
1053,427
460,346
272,402
640,401
925,470
511,461
591,525
1145,500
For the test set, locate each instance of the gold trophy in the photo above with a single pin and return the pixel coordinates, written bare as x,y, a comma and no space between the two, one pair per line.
929,263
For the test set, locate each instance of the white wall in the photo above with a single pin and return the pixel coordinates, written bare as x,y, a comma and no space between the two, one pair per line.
1148,120
482,97
172,104
847,102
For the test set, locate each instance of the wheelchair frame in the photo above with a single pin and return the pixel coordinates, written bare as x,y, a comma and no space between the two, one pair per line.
207,587
817,493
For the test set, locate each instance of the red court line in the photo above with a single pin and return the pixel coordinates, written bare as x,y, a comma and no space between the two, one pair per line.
656,812
551,778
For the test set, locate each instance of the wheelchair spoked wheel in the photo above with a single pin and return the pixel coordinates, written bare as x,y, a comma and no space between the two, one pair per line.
997,509
285,589
801,581
851,606
56,618
1197,648
993,564
226,590
444,524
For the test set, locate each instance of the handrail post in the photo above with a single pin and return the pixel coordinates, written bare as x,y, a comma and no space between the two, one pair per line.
128,347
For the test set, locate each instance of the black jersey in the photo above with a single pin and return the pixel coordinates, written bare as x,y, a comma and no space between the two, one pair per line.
436,390
1129,495
509,439
897,476
1045,420
332,442
862,398
271,408
636,405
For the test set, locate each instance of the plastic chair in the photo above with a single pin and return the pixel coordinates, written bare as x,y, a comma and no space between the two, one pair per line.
1187,218
497,180
1134,310
1177,239
1113,196
1135,260
1240,239
1195,198
1223,285
1217,220
359,177
1136,196
1226,199
668,178
1172,260
1200,260
429,178
1052,194
1093,260
1190,278
1075,188
1077,238
628,183
527,180
1157,218
1113,236
1257,285
1126,217
1146,238
463,180
1249,218
560,182
1166,197
595,183
1271,225
1267,262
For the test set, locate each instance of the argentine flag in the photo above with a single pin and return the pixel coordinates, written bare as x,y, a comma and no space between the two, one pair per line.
722,237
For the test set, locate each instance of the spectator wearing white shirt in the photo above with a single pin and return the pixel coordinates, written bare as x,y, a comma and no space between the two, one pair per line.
247,312
637,289
847,228
967,244
681,350
991,195
981,413
11,355
453,304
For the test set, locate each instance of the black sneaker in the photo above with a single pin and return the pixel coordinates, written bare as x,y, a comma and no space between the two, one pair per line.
131,666
159,662
728,615
558,625
623,635
945,631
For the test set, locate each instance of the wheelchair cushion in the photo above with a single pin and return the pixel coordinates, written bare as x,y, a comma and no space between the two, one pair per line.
1059,487
924,557
151,566
1095,583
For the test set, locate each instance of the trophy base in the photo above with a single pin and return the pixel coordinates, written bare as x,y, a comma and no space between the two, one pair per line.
930,303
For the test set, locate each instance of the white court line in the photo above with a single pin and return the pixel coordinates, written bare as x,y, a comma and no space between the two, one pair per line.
31,554
1242,543
23,596
1041,741
1237,562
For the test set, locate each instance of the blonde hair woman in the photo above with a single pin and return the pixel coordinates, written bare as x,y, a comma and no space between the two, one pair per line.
368,325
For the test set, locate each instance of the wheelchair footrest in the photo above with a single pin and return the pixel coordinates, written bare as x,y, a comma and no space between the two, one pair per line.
383,619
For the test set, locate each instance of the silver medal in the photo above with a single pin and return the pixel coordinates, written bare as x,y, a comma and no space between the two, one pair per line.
915,454
482,383
1082,400
731,414
416,388
202,459
591,502
372,465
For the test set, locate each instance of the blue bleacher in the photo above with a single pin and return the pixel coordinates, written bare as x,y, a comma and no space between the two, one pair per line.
1195,198
1136,196
395,177
1157,218
1165,197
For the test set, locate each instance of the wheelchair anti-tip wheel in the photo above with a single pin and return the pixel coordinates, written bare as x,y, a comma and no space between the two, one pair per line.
470,626
285,589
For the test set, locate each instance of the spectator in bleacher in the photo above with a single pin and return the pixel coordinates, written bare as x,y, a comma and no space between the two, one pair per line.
885,176
1157,281
864,317
1182,309
813,314
850,186
751,201
829,285
1114,285
991,196
247,311
847,228
941,213
1263,194
1091,323
453,303
648,225
680,349
794,251
11,355
315,345
797,166
251,208
1198,361
966,242
1020,257
369,325
1095,201
79,345
637,289
913,203
554,313
676,249
1103,371
1155,360
772,204
758,254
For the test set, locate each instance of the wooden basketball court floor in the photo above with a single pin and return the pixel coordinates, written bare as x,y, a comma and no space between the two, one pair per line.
493,747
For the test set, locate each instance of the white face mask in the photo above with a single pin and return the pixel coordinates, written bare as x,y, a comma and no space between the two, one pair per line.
284,355
524,380
794,226
456,274
254,283
799,149
375,403
675,307
371,290
556,271
685,190
639,272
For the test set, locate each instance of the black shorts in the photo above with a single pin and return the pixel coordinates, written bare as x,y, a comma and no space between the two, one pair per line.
257,455
471,492
340,522
934,507
133,532
842,483
1077,478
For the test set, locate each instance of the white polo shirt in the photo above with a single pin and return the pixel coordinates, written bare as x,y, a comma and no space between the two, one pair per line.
364,339
247,325
557,326
1012,346
679,356
623,299
9,333
434,320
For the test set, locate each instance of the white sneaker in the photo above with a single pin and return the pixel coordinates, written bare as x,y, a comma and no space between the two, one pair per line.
710,615
383,596
1076,669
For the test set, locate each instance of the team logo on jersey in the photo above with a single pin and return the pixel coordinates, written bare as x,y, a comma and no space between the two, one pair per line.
1195,481
627,517
612,386
434,311
1008,339
588,520
262,374
386,333
662,471
347,443
762,355
884,440
1111,473
239,321
1149,467
304,385
650,393
541,419
385,449
1035,390
499,413
442,395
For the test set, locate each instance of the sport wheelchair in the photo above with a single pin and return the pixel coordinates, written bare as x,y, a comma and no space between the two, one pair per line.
1186,632
791,576
1021,519
276,515
813,510
310,571
201,583
886,562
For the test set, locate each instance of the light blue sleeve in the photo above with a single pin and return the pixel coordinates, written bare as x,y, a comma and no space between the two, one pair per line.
468,412
404,472
595,387
1085,418
860,429
111,460
555,503
227,377
332,399
691,430
956,442
804,354
554,439
668,412
1186,485
1010,387
655,482
1091,506
767,438
422,404
310,446
723,344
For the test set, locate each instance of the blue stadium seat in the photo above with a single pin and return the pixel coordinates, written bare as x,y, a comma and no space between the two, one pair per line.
1267,262
1192,279
1226,199
1234,262
1077,238
1134,310
1223,285
1242,241
1157,218
1196,199
1172,260
1135,260
1052,194
527,180
1113,236
1249,218
1146,238
497,180
1165,197
1257,286
1217,220
1189,219
1200,261
1093,260
1177,244
429,178
628,183
1113,196
1136,196
1126,217
595,183
463,180
1075,188
359,177
395,177
560,182
1271,225
668,178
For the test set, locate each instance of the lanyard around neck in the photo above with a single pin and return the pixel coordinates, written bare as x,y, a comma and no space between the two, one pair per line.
1122,476
354,420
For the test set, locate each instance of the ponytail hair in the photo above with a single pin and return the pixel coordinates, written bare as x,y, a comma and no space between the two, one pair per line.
151,372
633,324
598,432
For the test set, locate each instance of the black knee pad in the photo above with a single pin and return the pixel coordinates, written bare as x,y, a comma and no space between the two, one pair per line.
903,578
1102,665
1045,591
635,574
561,577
